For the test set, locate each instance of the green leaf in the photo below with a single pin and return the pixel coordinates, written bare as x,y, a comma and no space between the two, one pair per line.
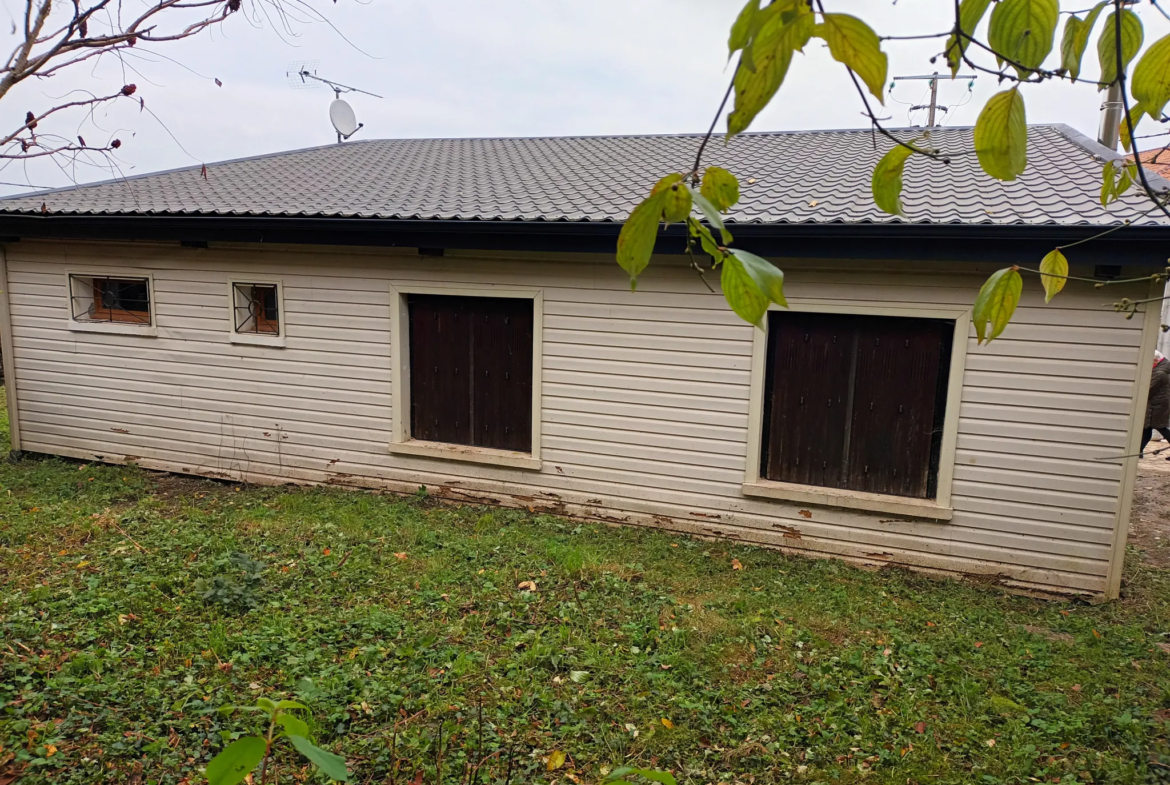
268,706
1001,135
1112,186
1131,41
706,239
1076,39
236,761
1053,273
711,214
768,278
1108,178
677,204
293,726
1129,176
766,23
852,42
639,233
332,766
1150,82
741,292
886,184
286,704
720,187
1070,56
665,183
740,31
1136,112
1022,31
772,50
971,12
996,303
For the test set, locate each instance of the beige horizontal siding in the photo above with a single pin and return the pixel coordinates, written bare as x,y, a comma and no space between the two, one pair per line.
644,406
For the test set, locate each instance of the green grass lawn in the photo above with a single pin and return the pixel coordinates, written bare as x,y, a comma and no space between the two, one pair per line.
134,605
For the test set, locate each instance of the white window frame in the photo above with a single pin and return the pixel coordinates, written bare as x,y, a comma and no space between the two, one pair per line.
118,328
938,508
401,443
256,339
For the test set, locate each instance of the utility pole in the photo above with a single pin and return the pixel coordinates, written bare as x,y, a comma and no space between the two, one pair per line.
933,105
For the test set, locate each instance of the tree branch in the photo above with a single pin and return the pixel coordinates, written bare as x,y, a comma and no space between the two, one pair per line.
1122,79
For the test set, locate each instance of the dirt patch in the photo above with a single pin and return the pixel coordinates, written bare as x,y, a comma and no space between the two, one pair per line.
175,490
1043,632
1149,521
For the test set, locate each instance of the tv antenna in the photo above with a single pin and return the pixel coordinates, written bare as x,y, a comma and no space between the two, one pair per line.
303,75
933,105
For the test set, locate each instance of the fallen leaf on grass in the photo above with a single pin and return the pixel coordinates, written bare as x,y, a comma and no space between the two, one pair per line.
920,727
735,565
527,585
326,551
400,556
556,759
50,751
991,742
978,644
667,723
1165,647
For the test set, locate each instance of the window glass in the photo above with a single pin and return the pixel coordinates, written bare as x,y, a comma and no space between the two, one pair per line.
108,299
471,370
256,308
855,402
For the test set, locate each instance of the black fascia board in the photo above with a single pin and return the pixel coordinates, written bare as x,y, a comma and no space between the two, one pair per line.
1144,246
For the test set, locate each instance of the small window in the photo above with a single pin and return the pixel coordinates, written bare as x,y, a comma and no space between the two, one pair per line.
471,370
257,308
108,299
855,402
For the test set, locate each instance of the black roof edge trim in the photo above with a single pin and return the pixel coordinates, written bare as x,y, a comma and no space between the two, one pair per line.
1019,244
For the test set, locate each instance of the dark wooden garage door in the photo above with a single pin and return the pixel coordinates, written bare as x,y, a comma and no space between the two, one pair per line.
471,370
855,402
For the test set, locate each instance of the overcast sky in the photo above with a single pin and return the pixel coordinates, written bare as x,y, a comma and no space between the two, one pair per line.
454,68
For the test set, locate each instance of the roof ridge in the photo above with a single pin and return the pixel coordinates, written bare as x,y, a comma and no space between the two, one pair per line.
1103,153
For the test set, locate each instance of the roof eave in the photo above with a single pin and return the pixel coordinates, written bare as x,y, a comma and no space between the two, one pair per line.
1136,245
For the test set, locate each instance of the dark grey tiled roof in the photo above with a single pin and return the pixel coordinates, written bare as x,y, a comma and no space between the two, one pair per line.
799,177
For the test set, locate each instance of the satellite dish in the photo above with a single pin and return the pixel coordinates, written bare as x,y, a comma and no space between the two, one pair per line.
343,119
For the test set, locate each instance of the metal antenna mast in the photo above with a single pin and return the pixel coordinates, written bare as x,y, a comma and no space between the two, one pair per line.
340,112
933,105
